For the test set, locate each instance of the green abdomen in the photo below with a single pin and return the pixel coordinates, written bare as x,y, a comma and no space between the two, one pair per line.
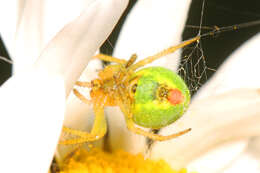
152,107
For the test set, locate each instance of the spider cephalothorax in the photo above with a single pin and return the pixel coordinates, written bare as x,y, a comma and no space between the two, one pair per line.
152,97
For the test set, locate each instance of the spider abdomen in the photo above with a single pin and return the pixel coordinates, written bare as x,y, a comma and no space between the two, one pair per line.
160,98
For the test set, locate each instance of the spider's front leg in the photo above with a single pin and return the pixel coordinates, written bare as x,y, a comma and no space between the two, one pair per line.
98,130
81,97
131,126
83,84
163,53
110,59
77,93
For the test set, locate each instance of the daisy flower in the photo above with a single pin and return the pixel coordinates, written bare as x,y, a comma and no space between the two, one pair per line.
50,51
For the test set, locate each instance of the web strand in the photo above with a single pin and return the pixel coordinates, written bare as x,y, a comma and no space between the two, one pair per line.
6,60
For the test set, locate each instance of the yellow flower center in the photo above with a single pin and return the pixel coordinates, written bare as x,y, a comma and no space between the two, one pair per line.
98,161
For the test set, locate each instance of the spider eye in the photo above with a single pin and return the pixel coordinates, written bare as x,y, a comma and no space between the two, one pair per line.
133,83
133,89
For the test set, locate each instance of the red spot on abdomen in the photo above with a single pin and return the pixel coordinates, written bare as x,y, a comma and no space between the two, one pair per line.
175,97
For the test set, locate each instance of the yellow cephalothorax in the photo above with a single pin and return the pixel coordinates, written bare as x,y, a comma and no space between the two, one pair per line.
152,97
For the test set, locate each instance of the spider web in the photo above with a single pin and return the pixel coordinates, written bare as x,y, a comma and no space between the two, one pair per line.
193,67
200,60
193,61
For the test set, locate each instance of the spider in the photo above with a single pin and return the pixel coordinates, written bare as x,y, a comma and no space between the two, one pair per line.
152,97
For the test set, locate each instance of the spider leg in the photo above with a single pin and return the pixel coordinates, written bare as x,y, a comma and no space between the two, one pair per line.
98,130
131,126
131,61
83,84
163,53
110,58
81,97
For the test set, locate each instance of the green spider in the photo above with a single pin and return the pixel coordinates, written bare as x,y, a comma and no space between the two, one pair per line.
152,97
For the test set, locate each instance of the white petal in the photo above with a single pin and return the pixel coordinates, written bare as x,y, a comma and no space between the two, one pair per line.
90,34
218,157
54,21
75,45
8,24
34,101
215,119
247,161
26,46
151,27
119,136
32,112
79,115
31,24
239,71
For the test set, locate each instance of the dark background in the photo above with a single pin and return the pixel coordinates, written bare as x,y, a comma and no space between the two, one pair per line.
216,13
5,68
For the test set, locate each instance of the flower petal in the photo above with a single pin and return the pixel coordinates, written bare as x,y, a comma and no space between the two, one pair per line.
215,119
53,22
32,112
222,112
31,25
34,100
90,32
8,26
152,27
79,40
79,115
237,72
27,45
248,161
